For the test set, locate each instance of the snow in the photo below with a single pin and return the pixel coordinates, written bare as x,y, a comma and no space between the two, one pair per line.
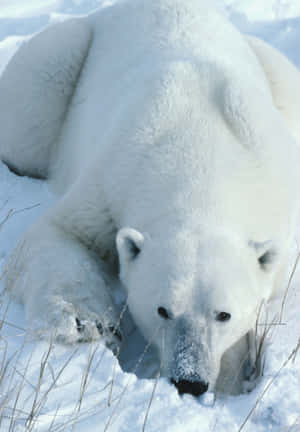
83,388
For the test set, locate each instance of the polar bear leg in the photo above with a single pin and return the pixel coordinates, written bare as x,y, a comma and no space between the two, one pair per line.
65,288
284,80
35,91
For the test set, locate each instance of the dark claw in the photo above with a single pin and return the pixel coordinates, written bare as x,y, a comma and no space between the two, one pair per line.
99,327
115,332
80,326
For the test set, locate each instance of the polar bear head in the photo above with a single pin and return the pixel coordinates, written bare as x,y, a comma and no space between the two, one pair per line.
193,299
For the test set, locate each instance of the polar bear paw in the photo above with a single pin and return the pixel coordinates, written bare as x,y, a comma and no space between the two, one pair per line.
65,287
68,323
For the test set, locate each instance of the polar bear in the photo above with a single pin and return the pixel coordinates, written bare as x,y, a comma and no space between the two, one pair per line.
171,141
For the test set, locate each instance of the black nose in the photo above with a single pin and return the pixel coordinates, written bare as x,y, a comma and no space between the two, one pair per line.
196,388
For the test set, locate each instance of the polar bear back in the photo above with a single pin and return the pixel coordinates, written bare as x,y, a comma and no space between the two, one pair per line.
163,92
133,43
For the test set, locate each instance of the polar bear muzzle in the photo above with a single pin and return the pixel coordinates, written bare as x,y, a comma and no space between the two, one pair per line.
189,371
196,388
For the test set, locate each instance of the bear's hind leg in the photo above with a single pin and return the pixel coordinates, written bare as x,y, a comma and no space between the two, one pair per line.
35,91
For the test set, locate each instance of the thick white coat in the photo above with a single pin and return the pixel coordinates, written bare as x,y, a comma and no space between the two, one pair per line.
161,117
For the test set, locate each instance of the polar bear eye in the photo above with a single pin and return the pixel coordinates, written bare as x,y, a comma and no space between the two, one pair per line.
163,313
223,316
266,259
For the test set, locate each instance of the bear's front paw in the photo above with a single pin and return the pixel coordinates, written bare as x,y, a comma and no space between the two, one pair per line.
90,330
69,323
254,372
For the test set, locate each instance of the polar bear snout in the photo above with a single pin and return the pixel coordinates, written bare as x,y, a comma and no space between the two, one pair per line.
196,388
188,358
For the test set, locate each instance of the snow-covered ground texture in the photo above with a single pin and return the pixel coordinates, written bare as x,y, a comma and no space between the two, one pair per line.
83,388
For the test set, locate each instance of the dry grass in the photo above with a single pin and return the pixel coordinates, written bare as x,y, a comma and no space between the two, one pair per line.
18,390
269,384
150,401
12,413
262,340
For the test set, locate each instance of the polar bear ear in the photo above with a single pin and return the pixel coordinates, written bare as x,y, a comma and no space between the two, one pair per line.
129,244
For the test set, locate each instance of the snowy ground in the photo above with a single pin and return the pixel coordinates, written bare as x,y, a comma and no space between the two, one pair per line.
83,388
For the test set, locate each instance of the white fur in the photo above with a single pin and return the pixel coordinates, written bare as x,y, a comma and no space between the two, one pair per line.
173,130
